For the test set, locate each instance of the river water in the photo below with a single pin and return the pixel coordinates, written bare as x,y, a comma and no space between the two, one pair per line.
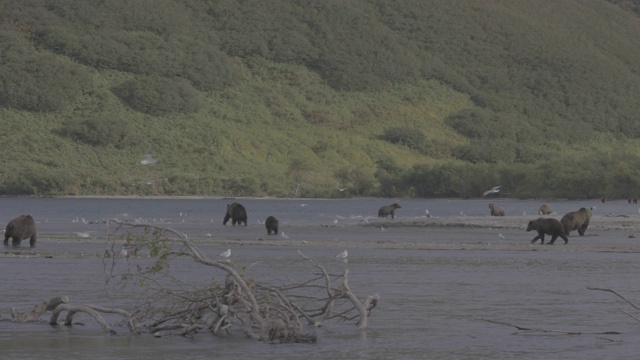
435,304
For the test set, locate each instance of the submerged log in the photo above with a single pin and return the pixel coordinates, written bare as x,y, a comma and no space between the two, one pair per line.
38,310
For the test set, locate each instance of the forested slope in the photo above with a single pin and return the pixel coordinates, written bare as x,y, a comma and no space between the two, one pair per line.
298,98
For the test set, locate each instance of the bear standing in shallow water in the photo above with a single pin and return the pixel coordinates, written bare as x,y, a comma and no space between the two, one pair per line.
547,226
387,210
545,210
496,210
272,225
21,228
237,213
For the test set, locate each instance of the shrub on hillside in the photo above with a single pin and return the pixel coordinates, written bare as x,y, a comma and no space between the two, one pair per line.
34,81
98,131
412,138
159,96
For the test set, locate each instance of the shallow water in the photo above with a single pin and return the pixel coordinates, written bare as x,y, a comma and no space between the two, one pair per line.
434,303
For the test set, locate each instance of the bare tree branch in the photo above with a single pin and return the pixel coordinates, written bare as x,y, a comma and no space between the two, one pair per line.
522,328
615,293
142,254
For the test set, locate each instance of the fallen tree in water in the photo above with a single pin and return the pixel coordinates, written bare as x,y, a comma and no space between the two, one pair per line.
143,255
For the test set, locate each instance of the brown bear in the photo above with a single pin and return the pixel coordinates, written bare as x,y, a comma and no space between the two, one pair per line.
387,210
576,220
547,226
237,213
272,225
21,228
545,210
496,210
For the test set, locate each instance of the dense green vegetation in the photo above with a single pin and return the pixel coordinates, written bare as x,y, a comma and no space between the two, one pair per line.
439,98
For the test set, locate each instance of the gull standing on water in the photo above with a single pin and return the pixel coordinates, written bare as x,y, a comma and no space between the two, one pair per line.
343,255
226,254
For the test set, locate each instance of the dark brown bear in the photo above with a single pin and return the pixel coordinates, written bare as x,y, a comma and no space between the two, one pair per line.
272,225
237,213
21,228
576,220
547,226
496,210
387,210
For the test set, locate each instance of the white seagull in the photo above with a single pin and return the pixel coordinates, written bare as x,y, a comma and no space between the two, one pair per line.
343,255
495,189
501,236
284,236
148,160
226,254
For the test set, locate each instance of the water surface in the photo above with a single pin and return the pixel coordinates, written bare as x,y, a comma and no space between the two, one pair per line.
434,303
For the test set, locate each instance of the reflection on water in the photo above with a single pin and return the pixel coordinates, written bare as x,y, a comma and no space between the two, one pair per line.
434,304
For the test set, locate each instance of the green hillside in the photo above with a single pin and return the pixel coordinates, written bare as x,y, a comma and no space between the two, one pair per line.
440,98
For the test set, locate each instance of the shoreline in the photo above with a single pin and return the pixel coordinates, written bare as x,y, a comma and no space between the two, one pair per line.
605,234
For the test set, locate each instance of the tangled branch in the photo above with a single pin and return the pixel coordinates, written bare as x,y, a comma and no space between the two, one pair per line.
275,313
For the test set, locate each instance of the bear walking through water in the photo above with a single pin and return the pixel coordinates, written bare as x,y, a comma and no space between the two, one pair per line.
237,213
577,220
547,226
272,225
21,228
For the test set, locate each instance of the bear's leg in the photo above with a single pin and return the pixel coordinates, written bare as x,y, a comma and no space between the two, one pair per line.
539,237
6,239
553,239
16,241
32,241
566,241
581,230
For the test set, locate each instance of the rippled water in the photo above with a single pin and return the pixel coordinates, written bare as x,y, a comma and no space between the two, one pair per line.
434,304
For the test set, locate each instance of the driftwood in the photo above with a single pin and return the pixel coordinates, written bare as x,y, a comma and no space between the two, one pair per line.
38,310
281,313
59,304
542,330
526,329
274,313
621,297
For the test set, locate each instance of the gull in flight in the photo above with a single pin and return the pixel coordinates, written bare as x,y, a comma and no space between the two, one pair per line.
83,234
226,254
343,255
495,189
148,160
